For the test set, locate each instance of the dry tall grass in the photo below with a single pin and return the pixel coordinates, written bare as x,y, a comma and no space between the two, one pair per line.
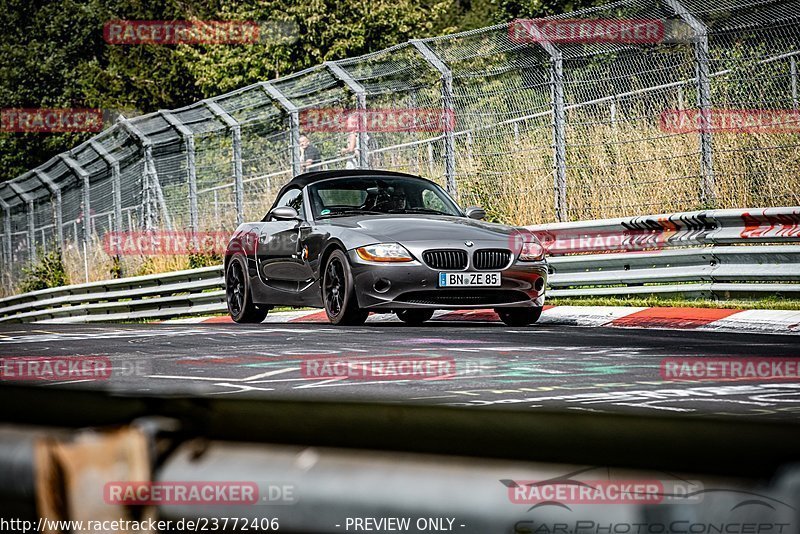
93,264
630,169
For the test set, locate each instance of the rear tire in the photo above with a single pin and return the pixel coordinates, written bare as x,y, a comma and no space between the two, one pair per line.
338,294
519,316
414,317
238,296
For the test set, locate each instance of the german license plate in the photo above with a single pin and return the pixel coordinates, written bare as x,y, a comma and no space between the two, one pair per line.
469,279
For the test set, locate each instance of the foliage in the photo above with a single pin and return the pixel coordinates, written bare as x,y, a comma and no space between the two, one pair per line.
52,52
48,272
204,257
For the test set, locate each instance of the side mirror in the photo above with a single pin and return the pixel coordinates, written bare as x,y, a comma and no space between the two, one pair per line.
284,213
475,212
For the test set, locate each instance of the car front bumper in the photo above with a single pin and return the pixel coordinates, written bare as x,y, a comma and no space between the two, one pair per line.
393,286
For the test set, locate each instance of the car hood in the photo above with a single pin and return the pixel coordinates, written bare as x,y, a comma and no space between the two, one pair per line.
418,228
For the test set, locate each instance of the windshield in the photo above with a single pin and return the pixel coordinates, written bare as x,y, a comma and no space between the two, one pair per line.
377,195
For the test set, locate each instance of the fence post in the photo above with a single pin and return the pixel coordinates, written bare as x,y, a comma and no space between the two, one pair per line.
236,133
28,200
448,112
701,54
559,127
294,123
116,183
191,168
150,177
793,74
361,105
59,214
83,175
6,244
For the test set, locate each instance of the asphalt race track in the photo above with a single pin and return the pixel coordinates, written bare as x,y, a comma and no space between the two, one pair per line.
555,367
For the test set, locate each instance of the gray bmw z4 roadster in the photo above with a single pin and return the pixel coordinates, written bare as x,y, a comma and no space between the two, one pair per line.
360,241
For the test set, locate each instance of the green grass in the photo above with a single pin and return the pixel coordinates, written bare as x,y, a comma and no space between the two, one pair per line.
767,303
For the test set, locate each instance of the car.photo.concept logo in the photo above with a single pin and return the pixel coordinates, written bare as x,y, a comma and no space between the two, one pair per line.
584,503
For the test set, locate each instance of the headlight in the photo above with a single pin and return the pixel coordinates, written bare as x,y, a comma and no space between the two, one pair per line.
531,252
384,252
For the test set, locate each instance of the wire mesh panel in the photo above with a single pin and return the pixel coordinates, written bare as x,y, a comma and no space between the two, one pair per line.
619,159
20,244
753,52
501,99
266,146
318,96
403,106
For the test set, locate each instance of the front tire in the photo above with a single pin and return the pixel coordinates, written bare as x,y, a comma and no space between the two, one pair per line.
338,294
238,296
414,317
519,316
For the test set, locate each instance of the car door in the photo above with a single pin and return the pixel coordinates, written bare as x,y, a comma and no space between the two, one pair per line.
282,264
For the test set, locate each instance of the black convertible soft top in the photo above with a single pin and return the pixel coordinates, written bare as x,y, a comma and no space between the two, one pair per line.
302,180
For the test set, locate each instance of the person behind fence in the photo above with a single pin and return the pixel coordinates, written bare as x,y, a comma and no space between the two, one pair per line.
309,154
352,147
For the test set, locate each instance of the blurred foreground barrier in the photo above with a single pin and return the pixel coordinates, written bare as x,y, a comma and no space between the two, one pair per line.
712,253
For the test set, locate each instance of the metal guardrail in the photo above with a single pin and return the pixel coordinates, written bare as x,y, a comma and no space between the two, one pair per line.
711,253
190,292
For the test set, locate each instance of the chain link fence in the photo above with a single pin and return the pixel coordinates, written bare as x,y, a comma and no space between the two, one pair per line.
544,130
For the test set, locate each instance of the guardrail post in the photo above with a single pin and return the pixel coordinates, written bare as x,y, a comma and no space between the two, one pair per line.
59,214
83,175
361,105
294,124
703,80
448,112
150,174
236,134
28,200
191,168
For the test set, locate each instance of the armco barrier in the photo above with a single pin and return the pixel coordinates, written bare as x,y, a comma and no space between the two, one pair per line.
712,253
191,292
